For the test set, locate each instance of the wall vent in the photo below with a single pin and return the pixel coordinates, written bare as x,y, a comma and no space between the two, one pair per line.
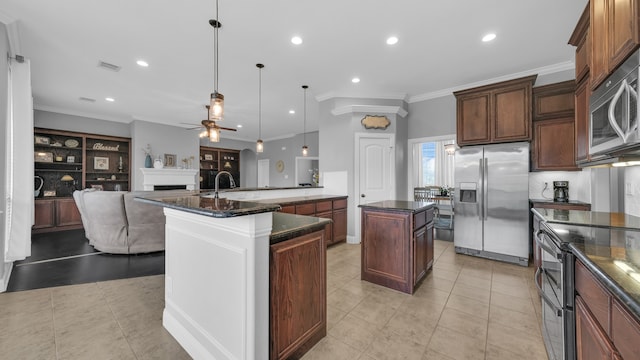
82,98
109,66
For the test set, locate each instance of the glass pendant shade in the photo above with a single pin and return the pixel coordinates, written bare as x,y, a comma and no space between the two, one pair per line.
259,146
216,107
214,135
450,149
305,150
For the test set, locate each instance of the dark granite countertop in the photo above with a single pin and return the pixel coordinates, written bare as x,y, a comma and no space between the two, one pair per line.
398,205
298,199
264,188
289,226
589,218
208,206
550,201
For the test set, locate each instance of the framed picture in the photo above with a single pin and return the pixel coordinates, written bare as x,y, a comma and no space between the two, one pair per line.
101,163
208,157
40,156
41,140
170,160
71,159
97,187
49,193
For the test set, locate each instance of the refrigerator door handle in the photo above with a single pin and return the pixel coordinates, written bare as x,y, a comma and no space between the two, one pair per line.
485,191
481,189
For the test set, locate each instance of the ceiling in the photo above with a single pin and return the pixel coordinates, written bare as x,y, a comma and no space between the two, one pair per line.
439,50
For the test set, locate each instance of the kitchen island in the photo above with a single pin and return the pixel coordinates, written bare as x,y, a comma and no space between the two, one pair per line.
397,243
238,278
606,278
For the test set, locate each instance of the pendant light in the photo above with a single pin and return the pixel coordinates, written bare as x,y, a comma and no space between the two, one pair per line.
259,144
305,148
216,107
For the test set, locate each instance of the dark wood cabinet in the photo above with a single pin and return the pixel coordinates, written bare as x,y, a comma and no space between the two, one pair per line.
605,329
298,293
397,247
213,160
591,341
615,35
582,95
56,214
68,161
495,113
328,208
562,206
554,127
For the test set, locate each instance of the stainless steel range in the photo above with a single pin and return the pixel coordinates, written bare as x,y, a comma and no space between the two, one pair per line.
555,281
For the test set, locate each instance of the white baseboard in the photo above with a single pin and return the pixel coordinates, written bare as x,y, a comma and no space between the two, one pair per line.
352,240
4,280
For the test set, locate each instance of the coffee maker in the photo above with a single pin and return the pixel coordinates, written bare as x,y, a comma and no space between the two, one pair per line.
561,191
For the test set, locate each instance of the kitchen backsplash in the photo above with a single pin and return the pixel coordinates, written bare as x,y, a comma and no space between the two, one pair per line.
632,190
579,184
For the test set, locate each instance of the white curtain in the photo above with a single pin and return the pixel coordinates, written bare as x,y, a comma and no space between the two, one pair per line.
19,173
444,164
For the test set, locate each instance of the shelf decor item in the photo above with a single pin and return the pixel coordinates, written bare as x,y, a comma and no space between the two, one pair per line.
46,157
71,143
170,160
41,140
71,159
101,163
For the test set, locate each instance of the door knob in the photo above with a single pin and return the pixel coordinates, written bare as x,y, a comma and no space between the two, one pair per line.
361,195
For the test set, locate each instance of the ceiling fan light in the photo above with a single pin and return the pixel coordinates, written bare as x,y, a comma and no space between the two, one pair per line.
259,146
214,135
305,150
216,107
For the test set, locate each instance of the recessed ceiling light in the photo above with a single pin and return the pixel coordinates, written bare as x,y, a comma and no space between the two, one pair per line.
292,111
142,63
238,126
110,99
355,80
489,37
297,40
392,40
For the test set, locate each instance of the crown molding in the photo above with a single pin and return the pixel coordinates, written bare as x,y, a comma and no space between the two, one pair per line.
369,109
563,66
334,95
81,113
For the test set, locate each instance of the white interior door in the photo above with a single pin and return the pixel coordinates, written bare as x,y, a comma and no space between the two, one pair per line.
263,173
375,171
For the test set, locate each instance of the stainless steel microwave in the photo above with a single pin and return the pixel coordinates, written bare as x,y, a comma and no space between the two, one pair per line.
614,110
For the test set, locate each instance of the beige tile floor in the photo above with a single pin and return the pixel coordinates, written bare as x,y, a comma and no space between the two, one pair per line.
467,308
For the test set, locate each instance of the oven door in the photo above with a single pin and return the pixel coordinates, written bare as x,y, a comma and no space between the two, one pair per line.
549,280
614,116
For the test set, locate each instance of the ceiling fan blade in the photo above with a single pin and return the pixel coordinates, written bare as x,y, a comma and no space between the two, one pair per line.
226,128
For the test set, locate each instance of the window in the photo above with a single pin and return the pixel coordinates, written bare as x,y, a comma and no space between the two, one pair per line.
434,166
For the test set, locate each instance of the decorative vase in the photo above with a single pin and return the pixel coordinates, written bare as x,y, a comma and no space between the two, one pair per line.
147,161
158,164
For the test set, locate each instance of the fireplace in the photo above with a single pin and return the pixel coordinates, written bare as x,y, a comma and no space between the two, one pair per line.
155,179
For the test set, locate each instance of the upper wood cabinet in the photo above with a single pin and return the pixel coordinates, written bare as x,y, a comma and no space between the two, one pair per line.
553,145
495,113
581,39
614,35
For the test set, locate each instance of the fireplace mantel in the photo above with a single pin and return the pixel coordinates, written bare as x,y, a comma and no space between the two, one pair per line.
152,177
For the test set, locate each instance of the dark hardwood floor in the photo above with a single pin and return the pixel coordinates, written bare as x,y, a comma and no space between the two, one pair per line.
66,258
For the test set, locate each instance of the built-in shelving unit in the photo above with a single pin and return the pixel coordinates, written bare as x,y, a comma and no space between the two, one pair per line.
213,160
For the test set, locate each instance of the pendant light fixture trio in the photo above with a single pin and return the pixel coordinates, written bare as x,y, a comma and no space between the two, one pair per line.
259,144
305,148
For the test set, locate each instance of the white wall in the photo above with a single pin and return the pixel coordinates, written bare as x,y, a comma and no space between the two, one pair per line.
632,190
4,83
579,184
287,150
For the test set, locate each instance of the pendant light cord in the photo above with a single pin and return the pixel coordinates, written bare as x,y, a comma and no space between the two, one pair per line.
304,124
215,51
260,102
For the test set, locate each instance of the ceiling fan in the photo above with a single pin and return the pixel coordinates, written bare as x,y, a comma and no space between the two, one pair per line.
210,128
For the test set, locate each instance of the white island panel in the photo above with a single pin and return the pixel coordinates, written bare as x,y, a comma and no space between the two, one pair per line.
216,284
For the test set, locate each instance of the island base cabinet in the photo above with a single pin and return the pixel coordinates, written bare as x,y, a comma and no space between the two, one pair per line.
298,292
592,342
397,248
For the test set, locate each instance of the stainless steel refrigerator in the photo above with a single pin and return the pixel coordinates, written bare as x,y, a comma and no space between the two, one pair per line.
492,202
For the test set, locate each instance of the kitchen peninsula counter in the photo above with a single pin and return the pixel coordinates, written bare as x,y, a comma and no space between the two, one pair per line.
223,259
397,243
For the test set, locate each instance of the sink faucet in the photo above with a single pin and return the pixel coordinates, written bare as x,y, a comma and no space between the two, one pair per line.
232,183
